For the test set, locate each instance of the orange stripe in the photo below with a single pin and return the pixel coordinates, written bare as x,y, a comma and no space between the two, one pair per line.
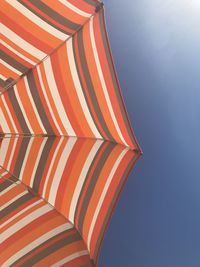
23,215
28,234
19,24
64,98
7,118
97,83
114,186
65,11
31,160
18,48
54,167
83,5
67,173
77,167
8,151
30,113
63,252
16,57
44,103
99,188
51,100
90,104
70,91
8,73
109,83
48,18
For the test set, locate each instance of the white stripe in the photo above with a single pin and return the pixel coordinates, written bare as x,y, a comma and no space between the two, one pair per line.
3,173
51,166
36,20
25,159
25,221
70,258
103,194
4,124
11,68
18,53
79,89
39,153
6,190
54,91
22,108
3,151
59,170
9,114
3,77
12,153
47,100
21,212
105,91
13,200
36,243
21,42
81,179
33,105
75,9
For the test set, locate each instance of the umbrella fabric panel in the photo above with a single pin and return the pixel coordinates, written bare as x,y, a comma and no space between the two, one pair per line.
31,30
73,92
81,178
67,141
34,233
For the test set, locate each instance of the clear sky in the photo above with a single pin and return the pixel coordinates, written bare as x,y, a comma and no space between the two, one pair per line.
156,49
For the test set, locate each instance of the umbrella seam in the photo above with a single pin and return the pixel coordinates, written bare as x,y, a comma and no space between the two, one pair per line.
10,135
30,190
10,85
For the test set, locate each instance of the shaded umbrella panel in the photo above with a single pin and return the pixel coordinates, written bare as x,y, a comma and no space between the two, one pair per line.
31,30
68,144
33,232
73,92
81,178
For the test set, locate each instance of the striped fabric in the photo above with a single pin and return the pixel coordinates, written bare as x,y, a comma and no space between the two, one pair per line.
81,178
33,233
32,29
72,92
66,144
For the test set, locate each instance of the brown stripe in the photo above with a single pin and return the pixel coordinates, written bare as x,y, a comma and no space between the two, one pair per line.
112,72
12,62
88,173
38,103
21,155
112,205
88,264
17,203
42,163
17,109
5,184
82,87
92,184
92,2
9,176
52,14
51,249
2,83
90,86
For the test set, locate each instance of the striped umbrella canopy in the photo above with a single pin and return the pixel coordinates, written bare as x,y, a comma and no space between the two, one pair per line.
66,144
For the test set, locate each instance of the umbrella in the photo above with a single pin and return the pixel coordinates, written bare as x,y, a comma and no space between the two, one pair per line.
66,143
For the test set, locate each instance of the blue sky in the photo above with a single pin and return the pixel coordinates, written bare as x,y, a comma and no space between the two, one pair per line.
156,49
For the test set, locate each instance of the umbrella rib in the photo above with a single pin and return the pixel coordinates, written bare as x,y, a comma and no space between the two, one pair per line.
31,191
13,135
11,84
